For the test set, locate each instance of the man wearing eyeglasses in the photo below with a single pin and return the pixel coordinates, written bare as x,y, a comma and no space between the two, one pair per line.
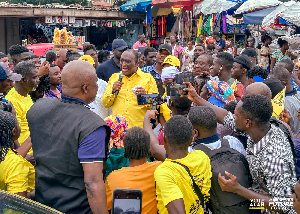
109,67
124,86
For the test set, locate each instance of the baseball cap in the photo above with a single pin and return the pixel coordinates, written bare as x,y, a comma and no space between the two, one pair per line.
165,47
119,44
87,58
5,73
172,60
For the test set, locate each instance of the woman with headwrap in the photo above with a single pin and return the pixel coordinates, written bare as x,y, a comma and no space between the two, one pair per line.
118,126
17,175
220,93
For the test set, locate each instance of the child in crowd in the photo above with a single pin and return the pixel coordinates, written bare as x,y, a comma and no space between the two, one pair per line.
17,175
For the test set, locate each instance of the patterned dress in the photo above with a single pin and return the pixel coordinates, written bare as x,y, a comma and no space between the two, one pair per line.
265,60
278,55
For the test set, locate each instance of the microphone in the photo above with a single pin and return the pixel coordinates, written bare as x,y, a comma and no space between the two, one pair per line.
120,80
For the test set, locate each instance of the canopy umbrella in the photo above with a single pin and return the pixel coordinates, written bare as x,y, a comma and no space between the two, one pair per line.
135,5
252,5
289,11
212,6
176,3
257,17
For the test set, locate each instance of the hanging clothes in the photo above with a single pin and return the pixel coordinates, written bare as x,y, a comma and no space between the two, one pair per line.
224,21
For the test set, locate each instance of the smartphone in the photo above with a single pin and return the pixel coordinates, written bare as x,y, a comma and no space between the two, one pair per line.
176,90
127,201
146,99
184,77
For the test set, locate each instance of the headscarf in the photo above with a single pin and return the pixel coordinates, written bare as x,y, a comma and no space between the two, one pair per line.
209,40
118,126
221,92
169,73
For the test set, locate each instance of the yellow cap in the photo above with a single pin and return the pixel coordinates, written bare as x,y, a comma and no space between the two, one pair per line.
172,60
87,58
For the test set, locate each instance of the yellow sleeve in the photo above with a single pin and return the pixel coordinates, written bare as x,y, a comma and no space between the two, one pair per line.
152,89
164,109
108,97
167,186
18,109
109,195
16,178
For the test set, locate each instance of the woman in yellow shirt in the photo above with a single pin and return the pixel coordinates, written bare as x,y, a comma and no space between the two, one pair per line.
16,173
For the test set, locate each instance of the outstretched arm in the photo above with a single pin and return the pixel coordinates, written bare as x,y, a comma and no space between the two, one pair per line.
194,97
157,151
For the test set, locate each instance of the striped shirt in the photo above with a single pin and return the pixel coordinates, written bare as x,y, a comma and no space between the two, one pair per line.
271,163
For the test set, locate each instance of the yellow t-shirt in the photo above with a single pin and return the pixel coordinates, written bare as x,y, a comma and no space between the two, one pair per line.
138,177
16,174
173,182
21,105
126,102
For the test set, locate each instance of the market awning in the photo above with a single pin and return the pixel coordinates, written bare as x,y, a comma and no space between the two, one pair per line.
289,11
212,6
257,17
252,5
174,3
136,5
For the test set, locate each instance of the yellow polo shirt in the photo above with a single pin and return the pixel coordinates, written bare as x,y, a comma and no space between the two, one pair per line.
16,174
173,182
21,105
126,102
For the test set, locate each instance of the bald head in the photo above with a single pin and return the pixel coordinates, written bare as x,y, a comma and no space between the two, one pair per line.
79,80
259,88
61,58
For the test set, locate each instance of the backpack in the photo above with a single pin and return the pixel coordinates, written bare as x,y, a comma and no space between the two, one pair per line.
230,160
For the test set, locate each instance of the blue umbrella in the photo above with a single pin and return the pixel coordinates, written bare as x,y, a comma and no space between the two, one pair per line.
257,16
136,5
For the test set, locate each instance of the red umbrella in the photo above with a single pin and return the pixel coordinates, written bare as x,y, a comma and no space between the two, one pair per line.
174,3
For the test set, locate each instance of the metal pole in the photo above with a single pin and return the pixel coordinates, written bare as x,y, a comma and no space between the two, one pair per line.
179,22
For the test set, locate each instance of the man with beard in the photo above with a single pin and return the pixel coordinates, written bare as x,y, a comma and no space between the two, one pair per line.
109,67
19,97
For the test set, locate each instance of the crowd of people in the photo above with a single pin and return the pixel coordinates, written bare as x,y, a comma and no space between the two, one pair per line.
72,129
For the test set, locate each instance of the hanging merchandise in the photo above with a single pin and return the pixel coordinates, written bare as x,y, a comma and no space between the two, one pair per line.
149,14
224,21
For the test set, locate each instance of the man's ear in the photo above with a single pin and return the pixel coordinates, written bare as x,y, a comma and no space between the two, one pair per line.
284,82
84,88
248,123
23,80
